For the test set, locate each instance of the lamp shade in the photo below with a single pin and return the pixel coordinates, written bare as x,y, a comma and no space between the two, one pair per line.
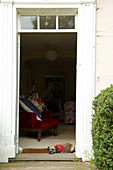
51,55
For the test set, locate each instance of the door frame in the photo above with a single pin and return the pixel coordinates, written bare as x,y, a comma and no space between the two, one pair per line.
85,69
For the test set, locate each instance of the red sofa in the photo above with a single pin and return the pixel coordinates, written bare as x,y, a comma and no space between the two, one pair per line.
28,122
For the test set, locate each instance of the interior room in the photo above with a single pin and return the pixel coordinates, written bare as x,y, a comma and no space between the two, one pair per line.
48,63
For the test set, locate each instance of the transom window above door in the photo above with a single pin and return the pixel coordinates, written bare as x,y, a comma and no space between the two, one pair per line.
48,22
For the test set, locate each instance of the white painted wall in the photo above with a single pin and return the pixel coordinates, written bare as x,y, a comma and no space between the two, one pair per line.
7,84
104,44
85,78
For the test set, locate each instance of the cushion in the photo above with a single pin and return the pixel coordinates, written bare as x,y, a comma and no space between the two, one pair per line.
34,98
30,107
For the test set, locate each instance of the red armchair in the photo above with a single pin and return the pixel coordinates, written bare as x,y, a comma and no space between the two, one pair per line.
28,122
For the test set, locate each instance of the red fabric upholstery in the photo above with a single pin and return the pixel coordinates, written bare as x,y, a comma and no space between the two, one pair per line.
28,121
47,123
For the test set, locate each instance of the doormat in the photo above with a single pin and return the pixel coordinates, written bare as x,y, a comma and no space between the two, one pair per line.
34,150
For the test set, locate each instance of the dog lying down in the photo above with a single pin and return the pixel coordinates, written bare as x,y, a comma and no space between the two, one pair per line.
61,148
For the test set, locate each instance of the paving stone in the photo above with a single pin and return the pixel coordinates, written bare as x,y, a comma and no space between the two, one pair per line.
42,165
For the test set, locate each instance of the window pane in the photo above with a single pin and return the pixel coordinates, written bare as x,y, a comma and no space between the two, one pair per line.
66,22
28,22
47,22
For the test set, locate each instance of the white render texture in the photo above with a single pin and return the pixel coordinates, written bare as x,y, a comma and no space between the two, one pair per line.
104,44
7,85
48,1
85,78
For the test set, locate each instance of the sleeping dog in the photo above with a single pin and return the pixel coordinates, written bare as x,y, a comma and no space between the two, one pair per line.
61,148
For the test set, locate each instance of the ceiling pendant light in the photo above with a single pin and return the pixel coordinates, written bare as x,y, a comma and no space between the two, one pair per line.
51,54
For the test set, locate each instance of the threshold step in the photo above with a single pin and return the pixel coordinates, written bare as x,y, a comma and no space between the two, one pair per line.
44,157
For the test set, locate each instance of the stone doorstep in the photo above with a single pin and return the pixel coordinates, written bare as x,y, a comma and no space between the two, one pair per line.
49,165
43,157
50,161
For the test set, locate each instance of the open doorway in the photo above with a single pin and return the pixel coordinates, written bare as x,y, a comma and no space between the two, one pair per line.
54,78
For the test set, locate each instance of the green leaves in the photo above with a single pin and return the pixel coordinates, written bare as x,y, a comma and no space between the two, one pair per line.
102,129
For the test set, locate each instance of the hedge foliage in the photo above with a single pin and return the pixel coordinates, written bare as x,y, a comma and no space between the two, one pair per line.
102,129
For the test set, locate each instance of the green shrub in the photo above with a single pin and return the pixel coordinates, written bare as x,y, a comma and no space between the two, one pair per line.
102,129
